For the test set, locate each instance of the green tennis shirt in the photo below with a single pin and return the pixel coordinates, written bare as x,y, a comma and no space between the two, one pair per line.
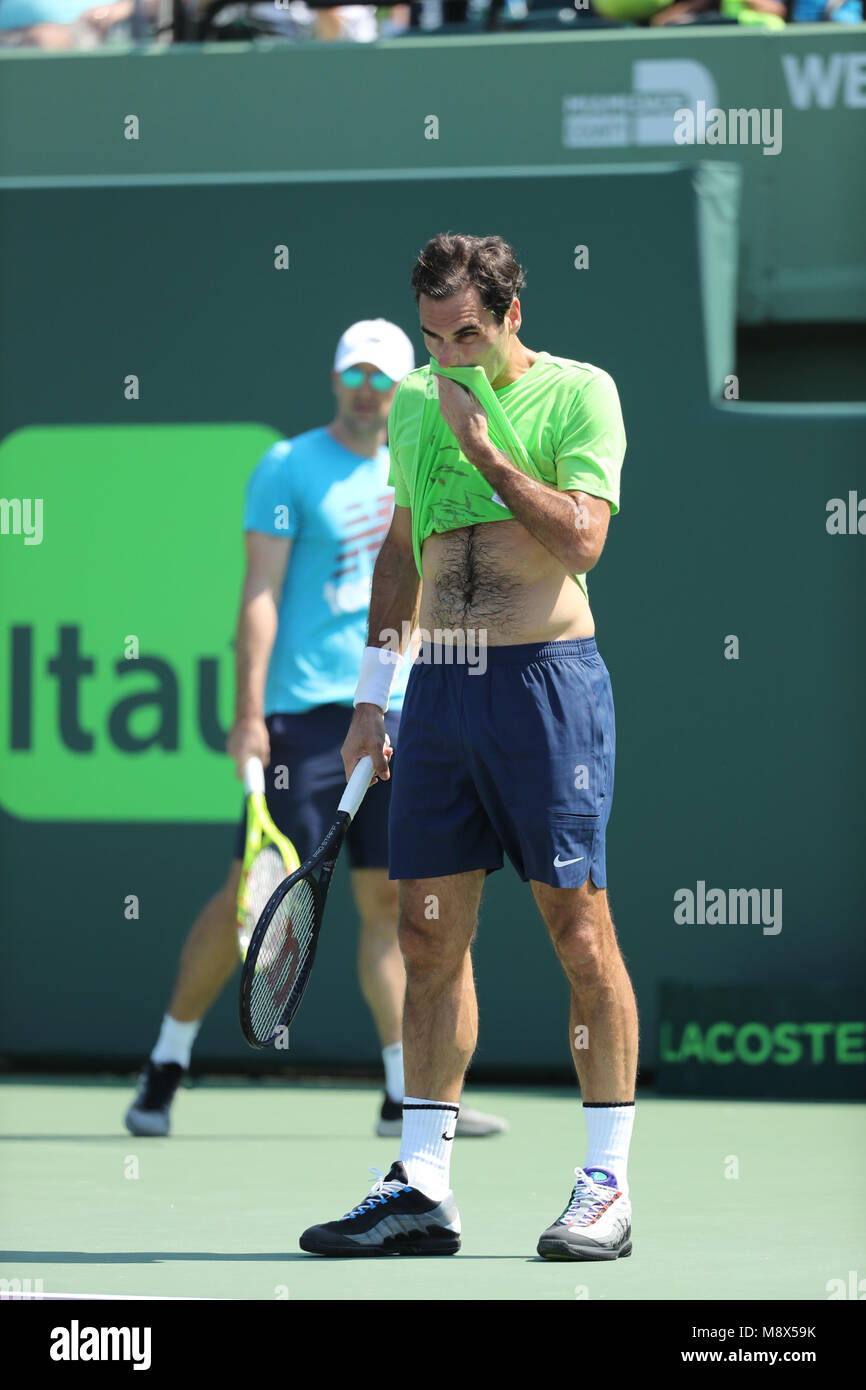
559,422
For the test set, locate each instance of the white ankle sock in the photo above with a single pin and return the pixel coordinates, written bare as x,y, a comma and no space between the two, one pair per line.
608,1135
175,1041
393,1058
428,1138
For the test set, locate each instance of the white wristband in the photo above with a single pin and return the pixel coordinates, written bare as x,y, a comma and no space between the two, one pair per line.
378,670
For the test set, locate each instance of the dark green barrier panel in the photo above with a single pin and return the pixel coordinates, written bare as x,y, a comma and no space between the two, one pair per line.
731,773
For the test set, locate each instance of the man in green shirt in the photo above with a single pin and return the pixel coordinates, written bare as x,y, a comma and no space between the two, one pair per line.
505,463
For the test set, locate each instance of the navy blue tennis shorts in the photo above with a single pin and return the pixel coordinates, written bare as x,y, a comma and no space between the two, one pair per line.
518,760
308,747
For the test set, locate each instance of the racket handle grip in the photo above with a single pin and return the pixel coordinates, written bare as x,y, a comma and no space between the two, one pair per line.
254,777
356,787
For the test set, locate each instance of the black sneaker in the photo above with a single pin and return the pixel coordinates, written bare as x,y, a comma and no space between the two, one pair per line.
149,1112
393,1219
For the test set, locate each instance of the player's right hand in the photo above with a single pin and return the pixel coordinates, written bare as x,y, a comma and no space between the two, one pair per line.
248,739
367,738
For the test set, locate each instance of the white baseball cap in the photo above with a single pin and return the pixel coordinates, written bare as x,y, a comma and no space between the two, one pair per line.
379,342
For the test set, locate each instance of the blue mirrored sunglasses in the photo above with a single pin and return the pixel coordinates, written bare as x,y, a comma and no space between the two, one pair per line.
353,376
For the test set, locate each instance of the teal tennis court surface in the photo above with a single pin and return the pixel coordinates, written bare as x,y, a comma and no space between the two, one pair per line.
215,1211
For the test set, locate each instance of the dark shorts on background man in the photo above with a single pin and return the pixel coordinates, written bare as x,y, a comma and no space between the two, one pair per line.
517,760
308,746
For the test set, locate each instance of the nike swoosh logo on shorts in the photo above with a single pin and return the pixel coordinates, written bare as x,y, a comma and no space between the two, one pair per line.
561,863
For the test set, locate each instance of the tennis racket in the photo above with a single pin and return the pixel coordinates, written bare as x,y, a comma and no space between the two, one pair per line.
268,856
283,946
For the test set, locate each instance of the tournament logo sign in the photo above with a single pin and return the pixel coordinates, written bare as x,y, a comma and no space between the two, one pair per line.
121,560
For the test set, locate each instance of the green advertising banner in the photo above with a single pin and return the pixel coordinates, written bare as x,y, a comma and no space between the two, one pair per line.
117,643
738,1040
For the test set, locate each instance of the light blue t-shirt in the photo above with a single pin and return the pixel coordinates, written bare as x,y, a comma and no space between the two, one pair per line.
813,11
21,14
336,508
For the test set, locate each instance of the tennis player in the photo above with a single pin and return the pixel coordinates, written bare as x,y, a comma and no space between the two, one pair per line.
317,509
518,760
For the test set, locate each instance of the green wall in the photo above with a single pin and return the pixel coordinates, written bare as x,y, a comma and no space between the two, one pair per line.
735,773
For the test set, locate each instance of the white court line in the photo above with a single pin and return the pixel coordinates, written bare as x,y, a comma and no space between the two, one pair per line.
100,1297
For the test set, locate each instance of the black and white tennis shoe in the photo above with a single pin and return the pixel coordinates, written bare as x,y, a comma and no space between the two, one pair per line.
596,1224
393,1219
150,1112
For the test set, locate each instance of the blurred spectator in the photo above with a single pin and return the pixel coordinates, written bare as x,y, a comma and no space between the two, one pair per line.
839,11
295,20
432,14
57,24
79,24
397,20
633,11
772,14
358,23
769,13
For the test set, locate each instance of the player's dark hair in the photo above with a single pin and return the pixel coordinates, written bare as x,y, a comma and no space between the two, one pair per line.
449,262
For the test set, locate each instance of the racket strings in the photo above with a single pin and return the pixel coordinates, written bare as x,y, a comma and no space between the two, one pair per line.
282,958
267,872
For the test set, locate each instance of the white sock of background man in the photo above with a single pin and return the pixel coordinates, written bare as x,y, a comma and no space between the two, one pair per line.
392,1056
175,1041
